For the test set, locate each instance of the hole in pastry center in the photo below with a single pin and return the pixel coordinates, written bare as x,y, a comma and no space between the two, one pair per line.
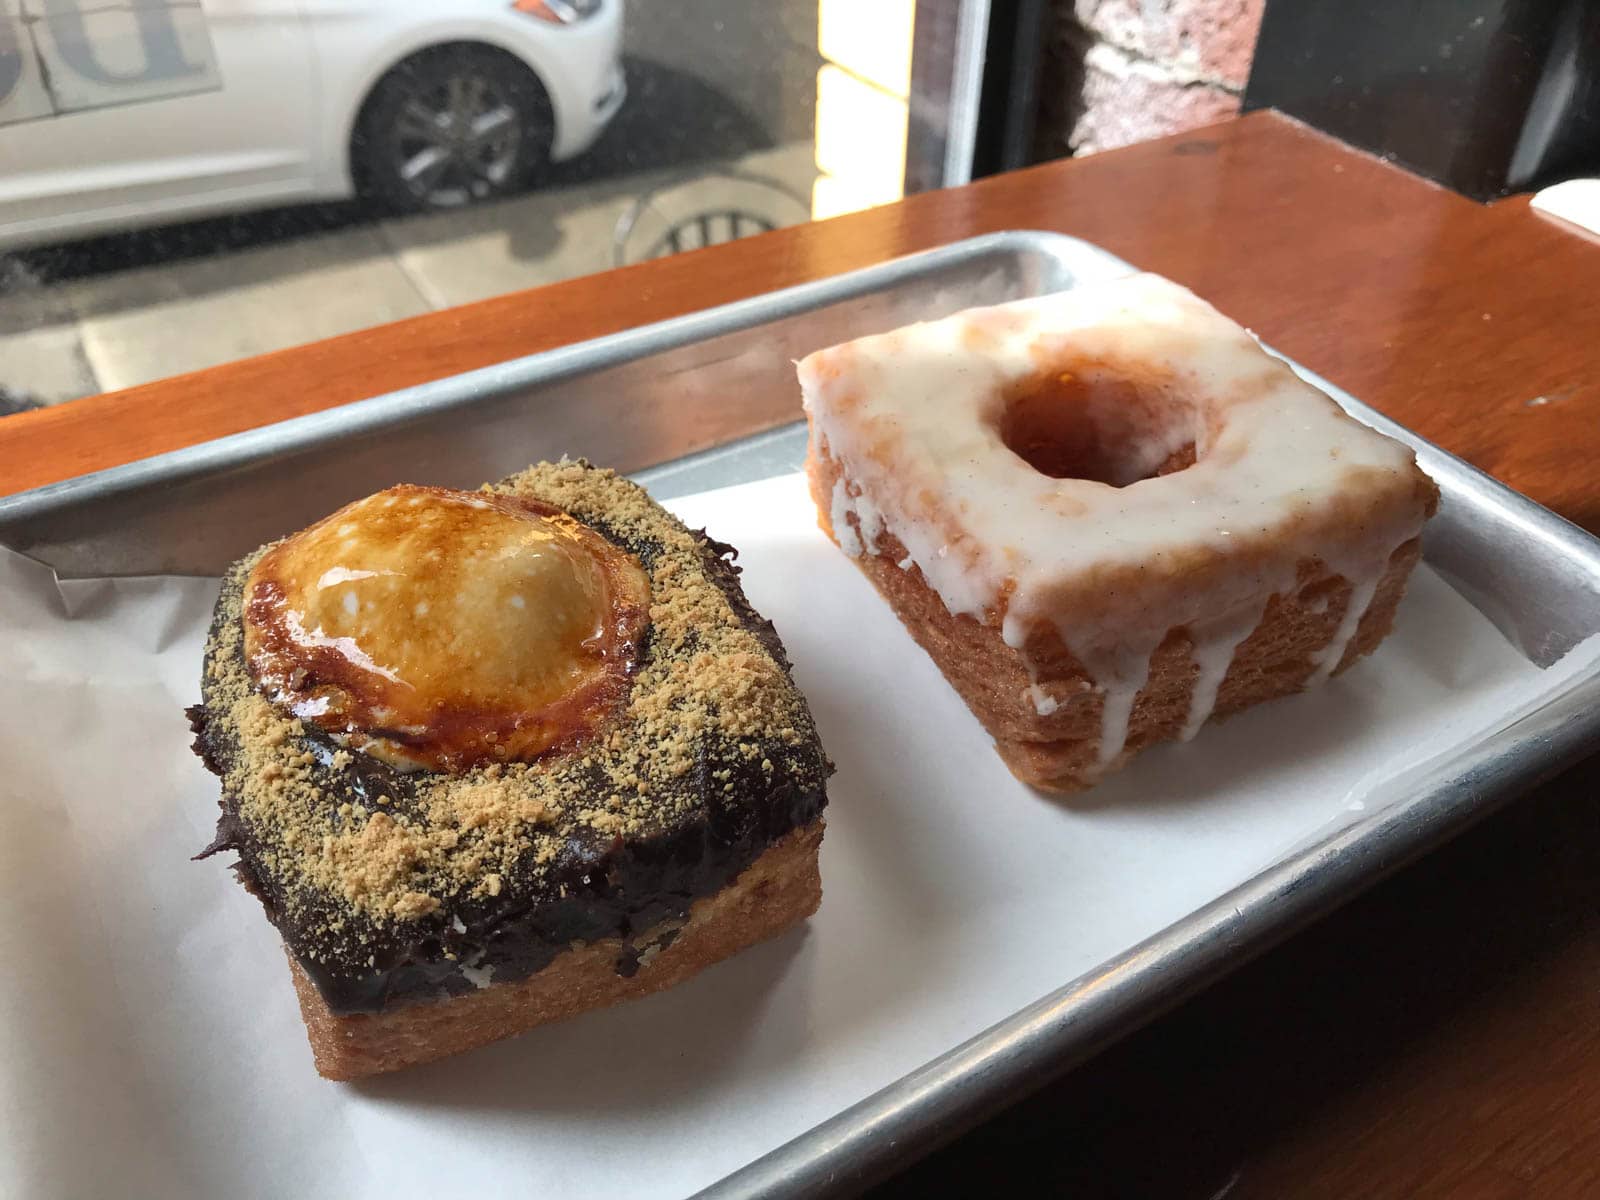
1099,427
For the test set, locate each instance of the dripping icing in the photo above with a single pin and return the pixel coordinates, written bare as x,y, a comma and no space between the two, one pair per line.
1120,673
1362,590
1214,646
843,531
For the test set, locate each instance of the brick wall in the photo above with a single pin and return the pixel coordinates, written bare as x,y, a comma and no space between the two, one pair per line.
1121,71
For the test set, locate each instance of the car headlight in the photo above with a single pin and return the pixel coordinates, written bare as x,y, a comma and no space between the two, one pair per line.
558,12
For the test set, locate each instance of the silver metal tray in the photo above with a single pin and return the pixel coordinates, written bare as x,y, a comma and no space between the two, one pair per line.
652,395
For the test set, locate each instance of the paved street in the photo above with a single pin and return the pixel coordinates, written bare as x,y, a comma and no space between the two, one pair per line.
113,312
102,331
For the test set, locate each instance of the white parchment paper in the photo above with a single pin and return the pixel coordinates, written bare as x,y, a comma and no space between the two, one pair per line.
149,1039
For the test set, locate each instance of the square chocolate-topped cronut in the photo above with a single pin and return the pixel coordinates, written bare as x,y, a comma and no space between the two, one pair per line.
493,758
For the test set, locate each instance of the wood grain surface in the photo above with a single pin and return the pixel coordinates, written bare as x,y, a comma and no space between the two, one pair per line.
1439,1037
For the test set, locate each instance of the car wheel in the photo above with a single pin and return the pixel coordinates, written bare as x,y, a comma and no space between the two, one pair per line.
449,127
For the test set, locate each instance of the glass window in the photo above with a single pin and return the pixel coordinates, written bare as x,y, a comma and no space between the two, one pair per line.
184,185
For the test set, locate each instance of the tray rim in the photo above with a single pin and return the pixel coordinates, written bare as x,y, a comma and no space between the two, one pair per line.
1019,1054
902,1122
402,406
909,1117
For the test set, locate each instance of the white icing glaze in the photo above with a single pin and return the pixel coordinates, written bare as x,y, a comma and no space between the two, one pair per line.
843,531
1362,589
871,522
1043,703
916,420
1214,643
1120,674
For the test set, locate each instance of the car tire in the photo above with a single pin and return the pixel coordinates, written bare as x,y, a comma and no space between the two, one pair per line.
451,126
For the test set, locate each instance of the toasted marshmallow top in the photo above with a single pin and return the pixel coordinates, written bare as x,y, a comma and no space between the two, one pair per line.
435,629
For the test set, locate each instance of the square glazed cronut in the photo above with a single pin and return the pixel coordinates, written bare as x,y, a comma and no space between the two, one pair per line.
1109,516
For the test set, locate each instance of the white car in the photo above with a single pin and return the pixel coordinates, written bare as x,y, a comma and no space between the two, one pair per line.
111,118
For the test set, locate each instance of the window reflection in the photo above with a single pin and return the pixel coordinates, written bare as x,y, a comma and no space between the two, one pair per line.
183,186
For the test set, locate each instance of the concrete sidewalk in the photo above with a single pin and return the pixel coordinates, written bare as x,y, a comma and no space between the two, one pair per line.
111,331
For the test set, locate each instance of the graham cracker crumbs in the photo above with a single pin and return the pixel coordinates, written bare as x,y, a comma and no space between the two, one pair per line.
604,820
707,696
415,905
